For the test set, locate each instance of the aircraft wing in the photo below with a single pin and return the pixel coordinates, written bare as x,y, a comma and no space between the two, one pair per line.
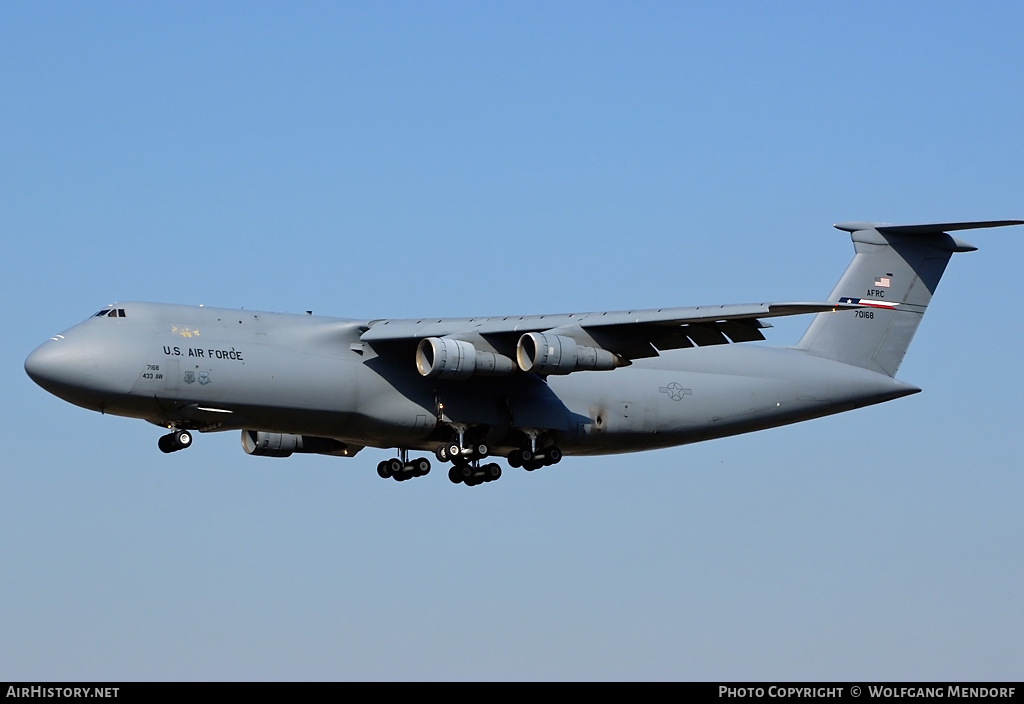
563,343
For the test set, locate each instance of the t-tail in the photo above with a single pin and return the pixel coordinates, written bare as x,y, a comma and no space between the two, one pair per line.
893,275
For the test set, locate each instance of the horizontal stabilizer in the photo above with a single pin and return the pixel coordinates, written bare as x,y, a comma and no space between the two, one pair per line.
929,229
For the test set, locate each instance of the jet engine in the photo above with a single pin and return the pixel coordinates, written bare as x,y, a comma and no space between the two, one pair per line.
448,358
545,353
258,443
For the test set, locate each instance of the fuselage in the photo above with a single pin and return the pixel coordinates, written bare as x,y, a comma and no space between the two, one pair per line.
218,369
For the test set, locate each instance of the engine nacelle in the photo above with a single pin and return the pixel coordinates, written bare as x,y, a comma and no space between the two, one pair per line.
544,353
448,358
261,444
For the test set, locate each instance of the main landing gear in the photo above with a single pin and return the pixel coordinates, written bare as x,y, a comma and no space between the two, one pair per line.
178,440
467,468
530,459
473,474
534,455
400,468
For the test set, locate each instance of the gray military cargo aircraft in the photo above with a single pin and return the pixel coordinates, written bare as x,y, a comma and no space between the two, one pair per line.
528,388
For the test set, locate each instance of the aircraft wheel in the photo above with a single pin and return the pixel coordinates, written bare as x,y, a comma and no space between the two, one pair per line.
492,472
454,451
383,470
554,455
441,453
420,467
172,442
455,475
164,443
515,460
395,466
481,450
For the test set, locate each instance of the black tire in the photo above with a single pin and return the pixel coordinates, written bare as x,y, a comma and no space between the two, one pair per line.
164,443
455,475
554,455
383,471
182,439
421,466
481,450
441,453
515,460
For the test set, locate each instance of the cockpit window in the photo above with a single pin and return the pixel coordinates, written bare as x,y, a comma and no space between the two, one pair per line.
110,313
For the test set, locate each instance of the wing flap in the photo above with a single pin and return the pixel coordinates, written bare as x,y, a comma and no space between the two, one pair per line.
742,330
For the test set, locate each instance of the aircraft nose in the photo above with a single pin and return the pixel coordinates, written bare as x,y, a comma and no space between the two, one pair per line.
60,366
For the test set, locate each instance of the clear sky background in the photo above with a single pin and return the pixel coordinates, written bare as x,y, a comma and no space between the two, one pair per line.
394,159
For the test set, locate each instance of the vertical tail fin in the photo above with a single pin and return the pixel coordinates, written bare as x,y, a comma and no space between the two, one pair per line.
894,272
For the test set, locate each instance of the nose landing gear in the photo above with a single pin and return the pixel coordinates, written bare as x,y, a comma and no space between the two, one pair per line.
178,440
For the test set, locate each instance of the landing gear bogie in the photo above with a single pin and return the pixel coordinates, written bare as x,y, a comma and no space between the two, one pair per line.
473,476
530,460
399,470
453,452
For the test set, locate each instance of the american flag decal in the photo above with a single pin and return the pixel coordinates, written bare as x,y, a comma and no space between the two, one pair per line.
869,302
883,282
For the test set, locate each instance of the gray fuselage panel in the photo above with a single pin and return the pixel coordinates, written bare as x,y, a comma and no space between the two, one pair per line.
218,369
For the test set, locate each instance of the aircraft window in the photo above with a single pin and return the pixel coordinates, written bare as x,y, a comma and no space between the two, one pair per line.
102,312
120,312
112,313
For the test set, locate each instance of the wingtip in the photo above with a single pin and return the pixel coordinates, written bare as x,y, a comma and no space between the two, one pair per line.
854,226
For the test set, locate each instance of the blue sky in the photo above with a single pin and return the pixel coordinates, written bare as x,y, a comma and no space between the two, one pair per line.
398,159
